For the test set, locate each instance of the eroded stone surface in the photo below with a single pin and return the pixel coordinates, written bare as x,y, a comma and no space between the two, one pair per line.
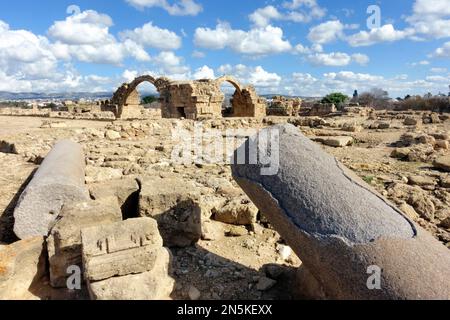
126,261
59,179
64,242
339,227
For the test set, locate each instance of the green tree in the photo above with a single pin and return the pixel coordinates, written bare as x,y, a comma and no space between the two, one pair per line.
149,99
336,98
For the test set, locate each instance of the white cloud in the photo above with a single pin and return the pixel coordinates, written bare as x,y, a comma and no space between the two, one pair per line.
361,59
326,32
438,70
24,54
257,41
198,54
346,81
85,37
421,63
171,65
386,33
204,72
443,52
152,36
337,59
431,18
88,27
178,8
438,79
263,16
255,76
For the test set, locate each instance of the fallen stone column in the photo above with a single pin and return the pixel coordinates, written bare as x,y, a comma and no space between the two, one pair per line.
59,179
346,235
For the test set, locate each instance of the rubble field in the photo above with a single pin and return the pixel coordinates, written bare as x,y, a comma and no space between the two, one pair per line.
221,246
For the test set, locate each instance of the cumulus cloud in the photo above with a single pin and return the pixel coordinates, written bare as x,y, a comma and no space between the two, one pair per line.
88,27
337,59
326,32
170,64
386,33
152,36
263,16
177,8
85,37
443,52
305,84
431,18
257,41
255,76
24,54
204,72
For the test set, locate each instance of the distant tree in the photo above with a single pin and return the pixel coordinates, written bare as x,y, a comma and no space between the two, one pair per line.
336,98
376,98
149,99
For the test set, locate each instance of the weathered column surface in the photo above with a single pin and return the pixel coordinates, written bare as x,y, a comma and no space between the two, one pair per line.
60,178
341,229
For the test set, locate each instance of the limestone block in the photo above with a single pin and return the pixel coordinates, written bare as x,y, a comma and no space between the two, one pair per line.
22,265
155,284
125,190
64,242
120,249
59,180
126,261
174,203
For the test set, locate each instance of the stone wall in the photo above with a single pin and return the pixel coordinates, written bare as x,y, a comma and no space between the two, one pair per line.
322,109
282,106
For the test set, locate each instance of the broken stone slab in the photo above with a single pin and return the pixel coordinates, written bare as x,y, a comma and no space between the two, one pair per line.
59,180
22,265
175,204
442,163
64,241
337,142
346,235
126,261
155,284
120,249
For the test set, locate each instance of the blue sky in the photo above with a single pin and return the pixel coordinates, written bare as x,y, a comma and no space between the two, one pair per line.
298,47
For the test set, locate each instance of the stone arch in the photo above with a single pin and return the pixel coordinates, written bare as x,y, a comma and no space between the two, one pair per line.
245,101
127,95
230,80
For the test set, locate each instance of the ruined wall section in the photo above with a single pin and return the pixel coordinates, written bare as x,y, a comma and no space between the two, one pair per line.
247,103
193,99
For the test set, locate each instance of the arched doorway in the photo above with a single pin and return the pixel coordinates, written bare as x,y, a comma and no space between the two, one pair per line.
231,90
130,103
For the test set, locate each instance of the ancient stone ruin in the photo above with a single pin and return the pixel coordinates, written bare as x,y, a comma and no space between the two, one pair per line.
187,99
282,106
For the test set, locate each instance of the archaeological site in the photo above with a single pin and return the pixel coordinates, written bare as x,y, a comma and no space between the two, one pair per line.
120,203
196,153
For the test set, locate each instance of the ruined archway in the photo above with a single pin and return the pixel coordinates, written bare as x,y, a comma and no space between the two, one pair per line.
229,108
127,99
245,101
